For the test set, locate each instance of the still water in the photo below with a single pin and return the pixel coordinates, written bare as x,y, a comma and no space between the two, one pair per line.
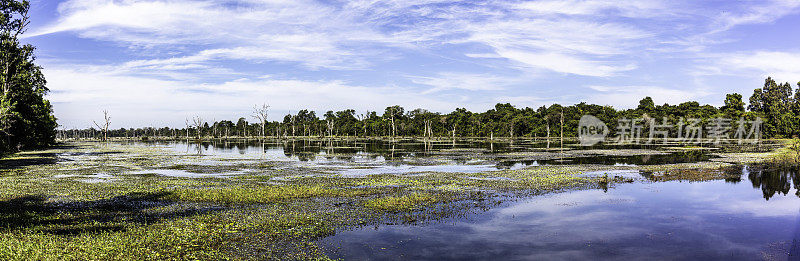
366,157
755,218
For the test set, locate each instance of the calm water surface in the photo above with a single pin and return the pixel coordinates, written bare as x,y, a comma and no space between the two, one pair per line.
381,157
753,219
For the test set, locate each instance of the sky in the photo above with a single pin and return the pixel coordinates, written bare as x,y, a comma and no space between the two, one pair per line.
159,62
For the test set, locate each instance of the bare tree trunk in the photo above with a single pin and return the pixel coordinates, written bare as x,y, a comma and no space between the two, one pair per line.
104,128
198,123
547,120
261,114
562,129
394,129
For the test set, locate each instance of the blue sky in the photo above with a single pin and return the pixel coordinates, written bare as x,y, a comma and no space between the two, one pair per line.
156,63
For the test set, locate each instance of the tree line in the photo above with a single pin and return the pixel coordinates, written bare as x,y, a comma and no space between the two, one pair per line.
777,104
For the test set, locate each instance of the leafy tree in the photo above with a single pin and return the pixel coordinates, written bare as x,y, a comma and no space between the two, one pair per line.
26,117
734,106
774,103
646,105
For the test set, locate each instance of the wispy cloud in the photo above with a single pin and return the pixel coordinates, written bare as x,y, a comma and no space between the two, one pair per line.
319,35
463,50
755,12
781,65
465,81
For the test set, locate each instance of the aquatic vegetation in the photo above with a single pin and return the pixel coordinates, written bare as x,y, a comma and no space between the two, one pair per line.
403,203
695,174
788,156
265,194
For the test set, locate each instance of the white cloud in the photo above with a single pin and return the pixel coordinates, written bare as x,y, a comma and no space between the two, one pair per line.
584,7
138,101
465,81
780,65
319,35
629,96
305,32
755,12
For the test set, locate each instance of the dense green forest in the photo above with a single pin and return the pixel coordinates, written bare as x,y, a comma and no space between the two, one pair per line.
775,104
26,117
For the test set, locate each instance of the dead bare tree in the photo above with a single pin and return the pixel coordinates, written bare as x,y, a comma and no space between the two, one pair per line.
187,129
261,113
294,125
428,129
394,128
197,122
215,127
562,130
330,127
104,127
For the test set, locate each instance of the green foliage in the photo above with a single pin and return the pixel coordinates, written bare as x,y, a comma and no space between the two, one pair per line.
774,103
26,118
734,106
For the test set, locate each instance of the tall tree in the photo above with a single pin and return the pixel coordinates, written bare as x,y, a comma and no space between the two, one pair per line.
734,106
774,102
26,117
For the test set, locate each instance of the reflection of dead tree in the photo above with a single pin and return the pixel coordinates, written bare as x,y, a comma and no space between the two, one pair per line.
198,123
104,127
261,113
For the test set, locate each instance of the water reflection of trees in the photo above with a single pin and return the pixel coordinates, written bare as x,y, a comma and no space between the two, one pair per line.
774,181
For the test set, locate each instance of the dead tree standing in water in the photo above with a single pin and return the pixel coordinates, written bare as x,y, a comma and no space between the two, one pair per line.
261,113
198,123
104,127
187,129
